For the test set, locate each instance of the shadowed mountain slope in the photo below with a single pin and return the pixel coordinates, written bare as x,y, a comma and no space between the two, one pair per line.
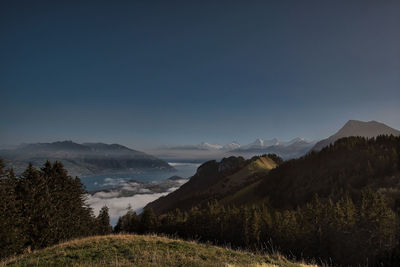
215,180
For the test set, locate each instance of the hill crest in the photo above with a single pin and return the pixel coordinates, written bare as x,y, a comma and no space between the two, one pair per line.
143,250
215,180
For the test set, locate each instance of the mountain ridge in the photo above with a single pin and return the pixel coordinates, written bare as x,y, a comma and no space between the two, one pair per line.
205,151
84,159
366,129
216,180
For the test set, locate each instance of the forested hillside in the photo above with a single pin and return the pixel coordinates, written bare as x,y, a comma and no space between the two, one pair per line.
215,181
350,165
338,205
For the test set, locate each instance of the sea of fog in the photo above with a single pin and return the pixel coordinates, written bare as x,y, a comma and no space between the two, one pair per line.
119,192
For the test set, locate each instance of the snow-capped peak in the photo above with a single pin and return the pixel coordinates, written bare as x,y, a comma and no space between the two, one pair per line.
205,145
272,142
260,143
293,141
231,146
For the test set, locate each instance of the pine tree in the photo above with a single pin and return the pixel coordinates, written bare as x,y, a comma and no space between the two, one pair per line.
129,223
33,192
53,206
11,224
71,216
103,220
255,229
3,173
377,223
148,221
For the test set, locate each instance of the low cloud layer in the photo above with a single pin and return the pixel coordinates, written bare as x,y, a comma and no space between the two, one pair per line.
135,195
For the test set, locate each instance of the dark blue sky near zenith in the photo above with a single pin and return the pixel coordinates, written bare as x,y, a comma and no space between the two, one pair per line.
146,73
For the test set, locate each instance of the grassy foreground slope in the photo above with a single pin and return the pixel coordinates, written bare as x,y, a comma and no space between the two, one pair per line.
141,250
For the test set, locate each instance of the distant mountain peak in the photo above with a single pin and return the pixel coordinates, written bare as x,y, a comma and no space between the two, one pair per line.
272,142
357,123
294,141
205,145
103,147
366,129
231,146
64,142
84,159
259,142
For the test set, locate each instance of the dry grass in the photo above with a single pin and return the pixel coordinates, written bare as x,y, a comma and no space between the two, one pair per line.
142,250
266,163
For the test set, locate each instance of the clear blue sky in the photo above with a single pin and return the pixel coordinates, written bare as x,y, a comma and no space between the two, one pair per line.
146,73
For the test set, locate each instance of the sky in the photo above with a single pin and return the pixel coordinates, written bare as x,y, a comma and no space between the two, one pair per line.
151,73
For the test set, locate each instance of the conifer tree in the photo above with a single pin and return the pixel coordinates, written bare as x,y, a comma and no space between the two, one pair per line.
103,220
11,224
33,192
129,223
255,229
148,221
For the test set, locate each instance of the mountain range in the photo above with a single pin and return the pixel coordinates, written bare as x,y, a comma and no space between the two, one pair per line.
294,148
257,144
287,150
84,159
99,158
206,151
